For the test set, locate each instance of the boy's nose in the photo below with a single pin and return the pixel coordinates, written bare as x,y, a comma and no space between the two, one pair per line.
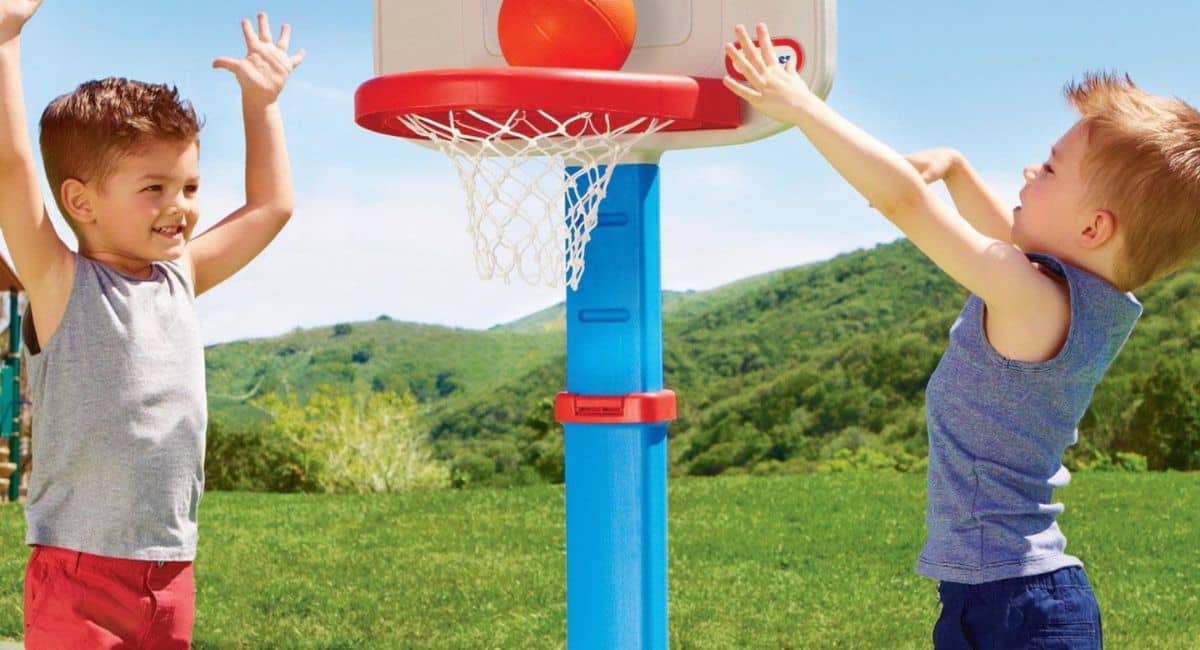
1030,172
175,211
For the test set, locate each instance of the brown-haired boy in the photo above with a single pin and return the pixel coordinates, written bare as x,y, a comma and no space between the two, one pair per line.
1115,206
115,358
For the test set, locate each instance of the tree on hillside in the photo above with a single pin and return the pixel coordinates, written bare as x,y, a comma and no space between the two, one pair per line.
1165,427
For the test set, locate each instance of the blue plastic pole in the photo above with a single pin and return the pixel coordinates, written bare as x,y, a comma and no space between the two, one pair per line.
616,474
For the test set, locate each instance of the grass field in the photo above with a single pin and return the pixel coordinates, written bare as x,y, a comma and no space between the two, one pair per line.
820,561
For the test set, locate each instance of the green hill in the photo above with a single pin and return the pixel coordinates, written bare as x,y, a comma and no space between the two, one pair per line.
433,363
775,373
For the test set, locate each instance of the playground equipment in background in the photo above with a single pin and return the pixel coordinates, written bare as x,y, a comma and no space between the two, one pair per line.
559,163
10,387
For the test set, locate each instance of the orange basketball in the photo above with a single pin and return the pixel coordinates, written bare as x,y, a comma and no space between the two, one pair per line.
567,33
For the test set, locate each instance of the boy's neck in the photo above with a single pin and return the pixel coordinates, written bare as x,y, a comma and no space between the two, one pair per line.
135,268
1101,263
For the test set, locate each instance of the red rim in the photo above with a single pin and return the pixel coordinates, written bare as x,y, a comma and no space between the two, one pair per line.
692,103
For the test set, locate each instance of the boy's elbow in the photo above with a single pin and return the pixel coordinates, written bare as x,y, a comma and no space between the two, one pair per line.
283,213
896,211
280,211
901,207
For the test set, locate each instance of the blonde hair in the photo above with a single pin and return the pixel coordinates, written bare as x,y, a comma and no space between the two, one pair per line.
1143,165
86,132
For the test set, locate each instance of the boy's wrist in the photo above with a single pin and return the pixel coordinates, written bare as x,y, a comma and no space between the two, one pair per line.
807,101
958,164
253,104
803,105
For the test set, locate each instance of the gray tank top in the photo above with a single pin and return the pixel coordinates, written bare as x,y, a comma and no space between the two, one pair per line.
119,416
997,432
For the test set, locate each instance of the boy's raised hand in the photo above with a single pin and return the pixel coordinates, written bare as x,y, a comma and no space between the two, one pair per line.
934,164
267,65
13,16
771,87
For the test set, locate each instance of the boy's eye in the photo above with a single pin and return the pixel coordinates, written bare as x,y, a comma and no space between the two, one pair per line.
191,189
1046,167
152,188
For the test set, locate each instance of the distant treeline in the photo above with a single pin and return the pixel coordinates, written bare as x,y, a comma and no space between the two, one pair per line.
817,368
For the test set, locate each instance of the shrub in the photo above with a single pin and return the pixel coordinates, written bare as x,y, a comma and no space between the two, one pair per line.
358,443
254,459
1121,461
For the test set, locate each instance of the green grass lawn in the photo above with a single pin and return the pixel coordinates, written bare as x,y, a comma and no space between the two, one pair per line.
764,562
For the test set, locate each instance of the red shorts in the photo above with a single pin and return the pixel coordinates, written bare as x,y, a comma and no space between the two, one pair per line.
79,600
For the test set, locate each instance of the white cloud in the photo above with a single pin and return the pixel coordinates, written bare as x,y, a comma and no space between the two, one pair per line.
726,221
399,247
361,247
395,247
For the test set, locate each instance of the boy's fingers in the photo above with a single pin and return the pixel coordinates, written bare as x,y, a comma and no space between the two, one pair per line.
748,49
285,36
264,27
768,48
248,32
227,63
738,58
748,94
297,59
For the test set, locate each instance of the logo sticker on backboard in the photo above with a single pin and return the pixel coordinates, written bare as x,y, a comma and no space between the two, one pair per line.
785,48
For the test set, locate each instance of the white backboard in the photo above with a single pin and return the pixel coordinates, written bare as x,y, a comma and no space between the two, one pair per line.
684,37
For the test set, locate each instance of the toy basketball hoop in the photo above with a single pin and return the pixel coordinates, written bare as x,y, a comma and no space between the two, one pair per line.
561,163
528,143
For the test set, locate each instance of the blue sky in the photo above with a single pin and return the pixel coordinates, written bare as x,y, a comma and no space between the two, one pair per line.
379,223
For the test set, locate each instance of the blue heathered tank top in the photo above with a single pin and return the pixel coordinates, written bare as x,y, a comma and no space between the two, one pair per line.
997,432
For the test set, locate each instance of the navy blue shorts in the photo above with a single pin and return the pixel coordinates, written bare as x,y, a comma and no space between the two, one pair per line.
1054,610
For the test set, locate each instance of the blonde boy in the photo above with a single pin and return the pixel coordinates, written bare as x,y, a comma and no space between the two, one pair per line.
115,359
1115,206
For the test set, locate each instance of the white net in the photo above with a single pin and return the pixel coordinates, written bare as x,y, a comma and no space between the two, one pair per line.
532,200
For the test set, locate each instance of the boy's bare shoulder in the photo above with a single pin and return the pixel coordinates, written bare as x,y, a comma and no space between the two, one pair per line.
1036,330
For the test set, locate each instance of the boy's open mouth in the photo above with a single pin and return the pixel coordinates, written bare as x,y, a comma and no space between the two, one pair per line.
169,231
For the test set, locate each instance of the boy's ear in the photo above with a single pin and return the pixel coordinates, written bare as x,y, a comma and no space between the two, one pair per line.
77,200
1098,230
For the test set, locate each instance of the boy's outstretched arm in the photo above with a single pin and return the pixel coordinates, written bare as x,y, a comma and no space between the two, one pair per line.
991,268
228,246
976,202
42,261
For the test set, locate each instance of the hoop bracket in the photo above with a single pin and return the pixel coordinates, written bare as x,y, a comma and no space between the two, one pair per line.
634,408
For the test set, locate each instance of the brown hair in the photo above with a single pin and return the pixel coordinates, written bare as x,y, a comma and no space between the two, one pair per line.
1142,164
84,133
